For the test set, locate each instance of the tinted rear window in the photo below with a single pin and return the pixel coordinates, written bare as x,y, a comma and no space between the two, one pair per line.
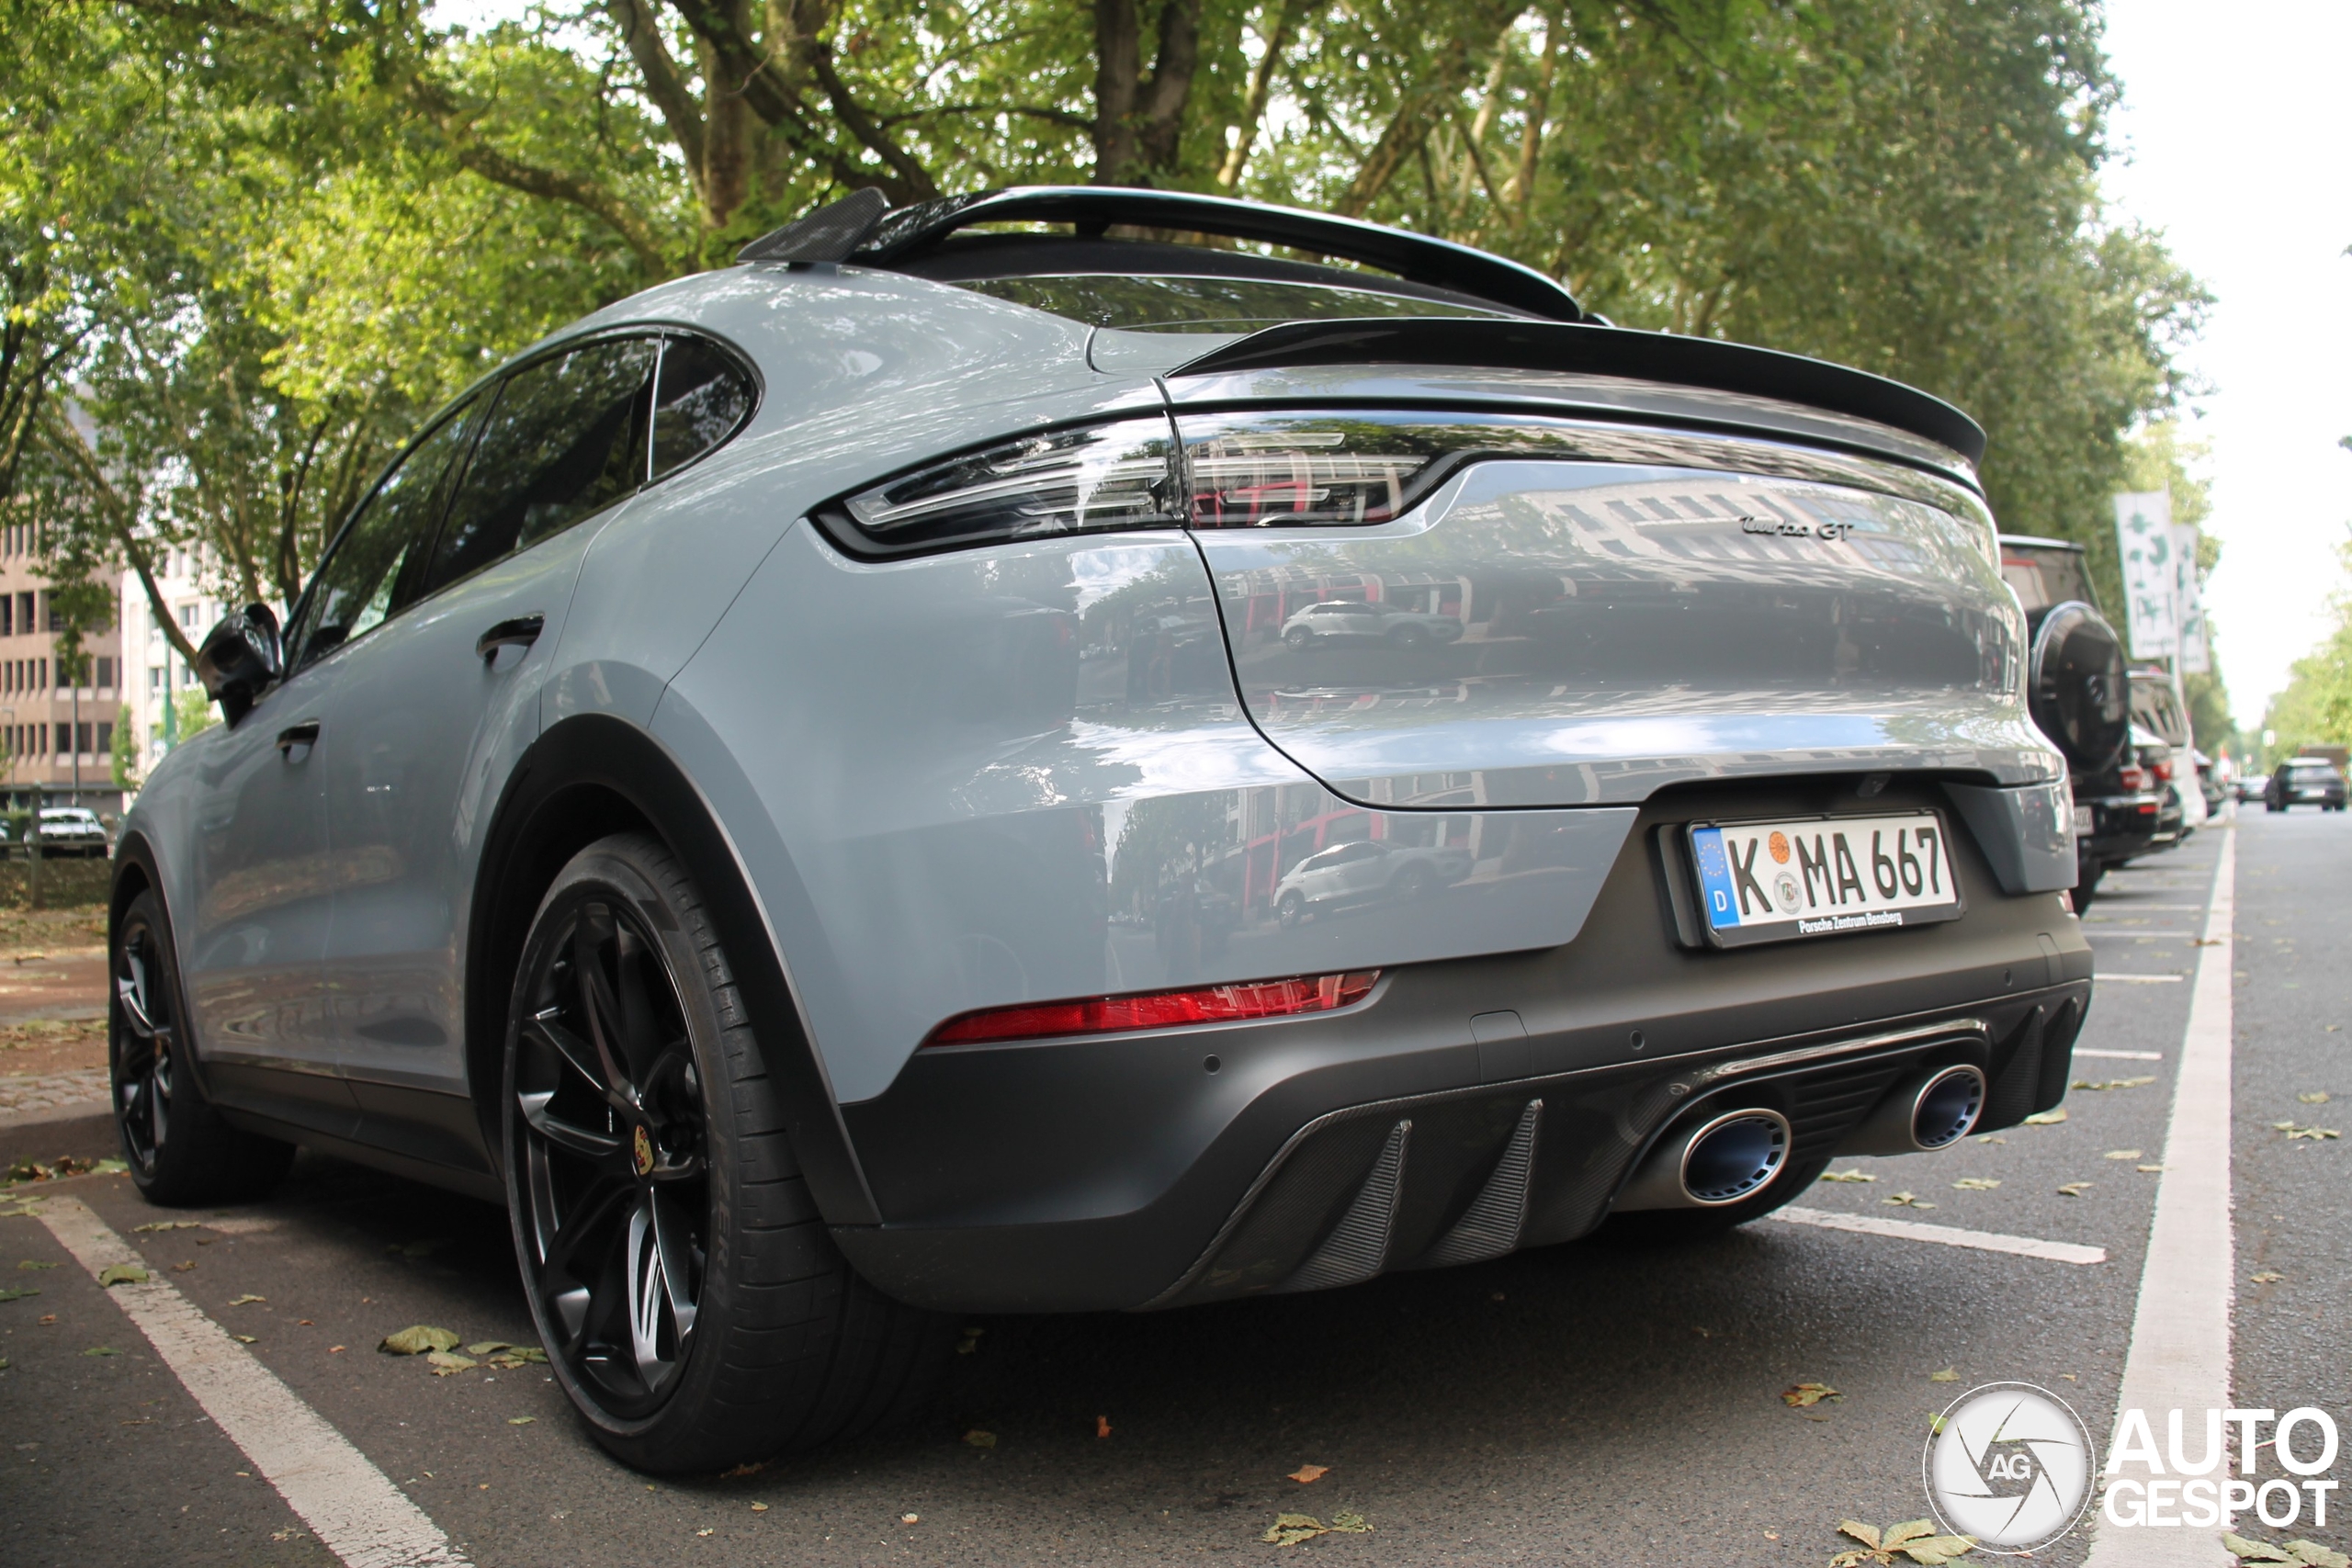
1209,304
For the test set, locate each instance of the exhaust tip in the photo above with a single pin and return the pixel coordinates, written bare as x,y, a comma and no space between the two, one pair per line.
1734,1156
1947,1107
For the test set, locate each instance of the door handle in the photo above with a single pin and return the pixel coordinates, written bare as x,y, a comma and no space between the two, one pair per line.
303,734
520,632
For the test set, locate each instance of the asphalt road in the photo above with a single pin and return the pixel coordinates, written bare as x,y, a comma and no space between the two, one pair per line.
1575,1404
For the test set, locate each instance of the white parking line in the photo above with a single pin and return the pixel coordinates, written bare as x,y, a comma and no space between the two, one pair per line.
352,1507
2137,931
2180,1358
2123,1055
2139,980
1945,1235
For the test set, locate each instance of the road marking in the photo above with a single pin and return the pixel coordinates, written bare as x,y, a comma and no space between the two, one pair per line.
2138,980
2133,904
2180,1358
2125,1056
1946,1235
352,1507
2134,930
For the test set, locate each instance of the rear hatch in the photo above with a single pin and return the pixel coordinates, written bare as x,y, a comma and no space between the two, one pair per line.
1521,606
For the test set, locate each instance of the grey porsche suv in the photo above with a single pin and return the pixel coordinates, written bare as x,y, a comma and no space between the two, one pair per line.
788,786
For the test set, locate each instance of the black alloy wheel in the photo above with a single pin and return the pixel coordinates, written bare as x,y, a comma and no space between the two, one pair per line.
614,1175
146,1026
178,1148
692,1303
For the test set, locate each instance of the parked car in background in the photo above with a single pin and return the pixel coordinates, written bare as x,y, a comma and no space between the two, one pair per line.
2305,781
1349,620
2251,786
1365,872
688,802
2166,748
2079,696
71,831
2210,779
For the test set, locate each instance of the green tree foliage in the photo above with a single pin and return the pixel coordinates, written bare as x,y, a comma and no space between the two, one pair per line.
2315,708
297,224
125,750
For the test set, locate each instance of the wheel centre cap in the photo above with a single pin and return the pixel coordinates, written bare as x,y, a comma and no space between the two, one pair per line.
641,1150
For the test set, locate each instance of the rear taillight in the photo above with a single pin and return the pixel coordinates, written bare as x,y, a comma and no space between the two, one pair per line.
1265,470
1157,1010
2133,781
2164,772
1081,480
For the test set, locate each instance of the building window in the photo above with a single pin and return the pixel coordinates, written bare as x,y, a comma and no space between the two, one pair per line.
154,677
8,612
106,738
23,612
106,675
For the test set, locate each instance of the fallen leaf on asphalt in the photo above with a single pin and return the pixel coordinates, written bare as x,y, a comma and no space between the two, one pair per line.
487,1348
2113,1083
2046,1118
1306,1472
1906,1200
980,1439
2316,1097
102,1350
1975,1184
751,1468
971,1342
2315,1133
168,1225
305,1323
520,1420
1805,1394
1916,1541
514,1356
1351,1524
1990,1138
35,1263
2254,1550
1847,1176
241,1301
2316,1555
702,1532
337,1350
182,1268
3,1363
122,1274
244,1339
2267,1277
911,1518
2074,1189
18,1292
759,1507
50,1318
1102,1425
1289,1530
1947,1375
2123,1153
445,1364
416,1340
2151,1169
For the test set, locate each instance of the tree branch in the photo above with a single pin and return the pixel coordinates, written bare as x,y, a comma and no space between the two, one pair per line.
1417,109
1253,101
61,436
916,179
665,89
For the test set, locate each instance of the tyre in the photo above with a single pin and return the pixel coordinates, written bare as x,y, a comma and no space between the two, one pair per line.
1291,909
1671,1228
693,1306
2086,886
179,1150
1409,637
1413,883
1299,638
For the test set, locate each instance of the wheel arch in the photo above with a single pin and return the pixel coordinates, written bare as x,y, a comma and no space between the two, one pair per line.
584,778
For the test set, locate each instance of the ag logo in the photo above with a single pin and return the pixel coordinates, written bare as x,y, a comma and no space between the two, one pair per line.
2010,1464
642,1151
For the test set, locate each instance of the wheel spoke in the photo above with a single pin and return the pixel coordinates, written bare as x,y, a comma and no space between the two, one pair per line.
591,1211
131,989
674,1240
597,1006
584,1058
569,1136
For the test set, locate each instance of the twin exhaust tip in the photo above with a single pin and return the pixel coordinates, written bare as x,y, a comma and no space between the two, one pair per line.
1736,1154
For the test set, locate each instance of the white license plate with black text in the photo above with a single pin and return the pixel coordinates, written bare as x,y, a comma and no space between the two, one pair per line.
1823,876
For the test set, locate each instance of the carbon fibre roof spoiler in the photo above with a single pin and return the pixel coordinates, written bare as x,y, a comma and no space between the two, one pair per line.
861,230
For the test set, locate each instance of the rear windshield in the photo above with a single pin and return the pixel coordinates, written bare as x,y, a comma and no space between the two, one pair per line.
2045,577
1209,304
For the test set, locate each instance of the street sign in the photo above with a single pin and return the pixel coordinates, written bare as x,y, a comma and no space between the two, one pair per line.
2195,652
2144,536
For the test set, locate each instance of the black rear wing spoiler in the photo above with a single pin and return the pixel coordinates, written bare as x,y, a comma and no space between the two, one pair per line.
1601,351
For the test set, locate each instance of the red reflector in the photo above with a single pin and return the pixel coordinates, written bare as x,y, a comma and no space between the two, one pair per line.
2133,778
1158,1009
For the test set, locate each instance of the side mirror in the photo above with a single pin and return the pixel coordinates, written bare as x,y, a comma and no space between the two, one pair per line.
240,658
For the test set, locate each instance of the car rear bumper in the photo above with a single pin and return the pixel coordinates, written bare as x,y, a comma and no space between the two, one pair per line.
1126,1173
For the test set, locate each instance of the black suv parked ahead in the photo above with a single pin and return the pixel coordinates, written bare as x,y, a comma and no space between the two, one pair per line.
2305,781
2081,698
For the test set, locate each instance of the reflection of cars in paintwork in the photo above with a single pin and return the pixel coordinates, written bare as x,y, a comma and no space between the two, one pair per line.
1350,620
2305,781
1365,872
689,802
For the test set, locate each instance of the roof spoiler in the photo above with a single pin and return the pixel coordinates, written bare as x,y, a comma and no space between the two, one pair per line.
862,229
1604,351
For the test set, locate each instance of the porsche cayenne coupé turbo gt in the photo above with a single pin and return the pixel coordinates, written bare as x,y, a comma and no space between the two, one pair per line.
789,784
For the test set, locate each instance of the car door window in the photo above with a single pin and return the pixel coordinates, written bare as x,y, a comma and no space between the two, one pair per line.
565,438
373,569
704,397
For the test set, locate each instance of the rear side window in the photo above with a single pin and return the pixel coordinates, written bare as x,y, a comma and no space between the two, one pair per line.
373,568
565,438
704,397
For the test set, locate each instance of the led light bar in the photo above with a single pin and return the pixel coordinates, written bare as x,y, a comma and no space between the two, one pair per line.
1082,480
1157,1010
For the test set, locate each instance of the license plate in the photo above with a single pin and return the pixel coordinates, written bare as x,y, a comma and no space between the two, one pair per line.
1823,876
2083,828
